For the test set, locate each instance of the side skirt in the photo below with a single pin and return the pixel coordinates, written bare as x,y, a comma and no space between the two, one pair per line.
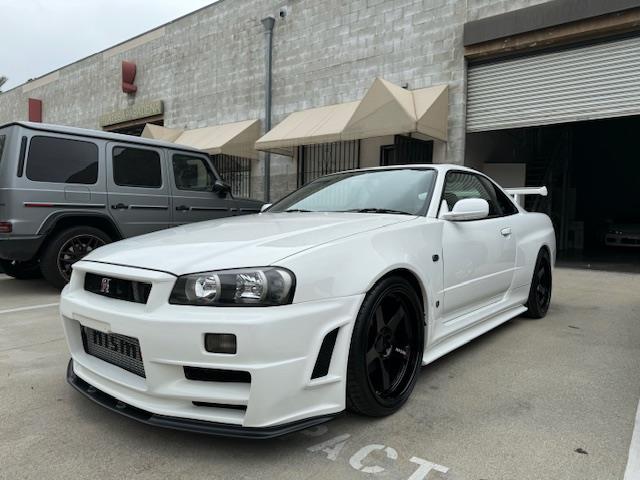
468,334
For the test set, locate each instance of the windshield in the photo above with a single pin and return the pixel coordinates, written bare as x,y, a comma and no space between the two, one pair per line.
402,191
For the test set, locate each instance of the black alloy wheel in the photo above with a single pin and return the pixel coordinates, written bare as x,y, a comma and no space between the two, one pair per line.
541,286
75,249
66,248
386,348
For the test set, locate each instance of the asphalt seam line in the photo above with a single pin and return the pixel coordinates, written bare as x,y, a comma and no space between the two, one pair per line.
632,471
33,307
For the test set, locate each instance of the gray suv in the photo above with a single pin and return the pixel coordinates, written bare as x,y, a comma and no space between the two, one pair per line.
66,191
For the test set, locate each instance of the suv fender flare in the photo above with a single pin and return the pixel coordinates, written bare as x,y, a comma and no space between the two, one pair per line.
53,220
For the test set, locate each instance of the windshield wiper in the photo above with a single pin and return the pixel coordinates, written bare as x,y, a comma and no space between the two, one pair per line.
378,210
297,210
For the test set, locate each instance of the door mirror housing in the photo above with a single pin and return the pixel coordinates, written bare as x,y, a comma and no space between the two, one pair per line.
221,188
467,209
265,206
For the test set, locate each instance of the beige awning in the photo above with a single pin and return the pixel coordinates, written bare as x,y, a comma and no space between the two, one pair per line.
386,109
230,139
157,132
316,125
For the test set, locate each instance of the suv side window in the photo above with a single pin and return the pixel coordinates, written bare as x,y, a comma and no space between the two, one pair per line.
61,160
136,167
460,185
192,173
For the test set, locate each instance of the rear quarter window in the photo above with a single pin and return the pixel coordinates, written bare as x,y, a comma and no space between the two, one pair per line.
62,160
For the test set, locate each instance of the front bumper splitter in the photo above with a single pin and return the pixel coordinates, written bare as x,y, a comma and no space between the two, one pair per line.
187,424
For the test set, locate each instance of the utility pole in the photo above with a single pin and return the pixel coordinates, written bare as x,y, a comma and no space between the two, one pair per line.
268,23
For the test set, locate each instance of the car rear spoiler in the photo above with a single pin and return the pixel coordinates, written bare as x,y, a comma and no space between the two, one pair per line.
519,193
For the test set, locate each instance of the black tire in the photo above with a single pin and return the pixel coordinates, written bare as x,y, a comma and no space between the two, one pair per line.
66,248
384,361
541,287
21,270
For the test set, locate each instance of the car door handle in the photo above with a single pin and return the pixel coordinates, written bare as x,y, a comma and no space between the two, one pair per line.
505,232
182,208
119,206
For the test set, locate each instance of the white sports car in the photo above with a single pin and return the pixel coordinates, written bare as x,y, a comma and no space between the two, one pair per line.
331,299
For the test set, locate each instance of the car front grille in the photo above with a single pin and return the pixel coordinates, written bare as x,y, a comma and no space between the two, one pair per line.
119,288
113,348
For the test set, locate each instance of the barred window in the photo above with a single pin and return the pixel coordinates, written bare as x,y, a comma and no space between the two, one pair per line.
236,171
317,160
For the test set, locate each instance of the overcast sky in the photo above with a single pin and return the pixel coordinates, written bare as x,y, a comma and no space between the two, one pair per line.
37,36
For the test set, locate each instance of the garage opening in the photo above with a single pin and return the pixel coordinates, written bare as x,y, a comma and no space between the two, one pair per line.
566,118
592,172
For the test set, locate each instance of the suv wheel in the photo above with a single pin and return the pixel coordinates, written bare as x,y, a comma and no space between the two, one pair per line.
21,270
66,248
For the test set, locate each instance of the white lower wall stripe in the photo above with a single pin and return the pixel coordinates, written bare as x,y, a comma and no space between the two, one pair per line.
32,307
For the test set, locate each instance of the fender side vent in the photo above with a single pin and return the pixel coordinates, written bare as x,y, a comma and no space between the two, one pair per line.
216,375
323,361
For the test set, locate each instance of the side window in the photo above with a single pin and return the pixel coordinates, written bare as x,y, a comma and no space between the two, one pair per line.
192,173
60,160
136,167
504,205
460,185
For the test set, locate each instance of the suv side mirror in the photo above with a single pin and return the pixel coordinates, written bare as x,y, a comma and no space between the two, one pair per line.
467,209
265,206
221,188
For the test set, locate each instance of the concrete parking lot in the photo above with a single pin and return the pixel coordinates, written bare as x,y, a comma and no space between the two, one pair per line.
534,399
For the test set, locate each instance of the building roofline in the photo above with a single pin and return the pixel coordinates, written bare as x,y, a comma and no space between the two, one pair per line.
213,2
537,17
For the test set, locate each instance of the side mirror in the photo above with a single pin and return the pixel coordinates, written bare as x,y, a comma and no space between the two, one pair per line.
221,188
265,206
467,209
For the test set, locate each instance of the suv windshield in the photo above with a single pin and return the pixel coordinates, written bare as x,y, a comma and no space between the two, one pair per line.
401,191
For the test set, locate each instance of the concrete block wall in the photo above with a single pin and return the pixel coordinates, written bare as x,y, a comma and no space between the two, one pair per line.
208,67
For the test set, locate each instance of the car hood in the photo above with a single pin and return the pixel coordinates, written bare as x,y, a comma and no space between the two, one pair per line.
245,241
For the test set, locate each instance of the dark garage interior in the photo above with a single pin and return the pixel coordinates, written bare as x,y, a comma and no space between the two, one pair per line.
592,172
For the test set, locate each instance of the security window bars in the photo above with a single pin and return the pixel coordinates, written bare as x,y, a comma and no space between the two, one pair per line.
317,160
236,171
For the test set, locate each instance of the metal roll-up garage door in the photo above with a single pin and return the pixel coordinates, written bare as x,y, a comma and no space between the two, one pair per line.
584,83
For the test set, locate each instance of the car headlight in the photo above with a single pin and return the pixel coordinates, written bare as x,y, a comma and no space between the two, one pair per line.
262,286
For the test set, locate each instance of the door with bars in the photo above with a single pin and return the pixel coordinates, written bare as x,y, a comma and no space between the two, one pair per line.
406,150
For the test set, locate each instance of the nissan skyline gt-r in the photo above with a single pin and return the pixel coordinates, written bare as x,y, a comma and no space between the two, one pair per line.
331,299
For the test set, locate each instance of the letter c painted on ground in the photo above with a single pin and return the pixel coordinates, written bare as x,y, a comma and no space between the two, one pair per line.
356,459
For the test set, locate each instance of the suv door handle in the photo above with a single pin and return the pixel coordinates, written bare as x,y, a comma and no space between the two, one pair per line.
119,206
505,232
182,208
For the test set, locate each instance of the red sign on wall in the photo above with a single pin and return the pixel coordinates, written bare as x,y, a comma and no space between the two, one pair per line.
128,77
35,110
